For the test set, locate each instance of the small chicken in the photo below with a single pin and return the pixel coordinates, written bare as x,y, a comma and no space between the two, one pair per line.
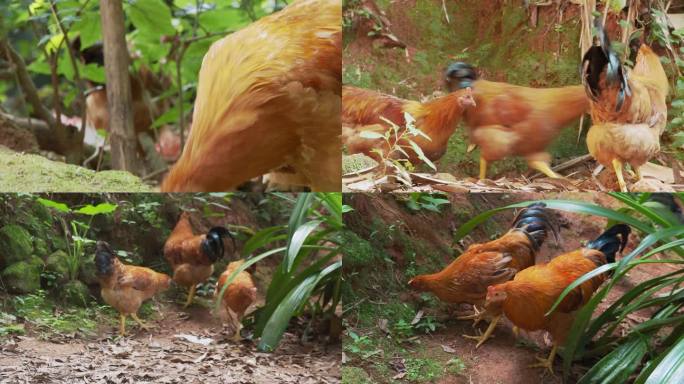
628,108
192,256
363,111
238,297
268,96
466,279
526,299
125,287
510,120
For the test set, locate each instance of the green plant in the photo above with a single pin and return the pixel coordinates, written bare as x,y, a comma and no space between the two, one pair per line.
307,268
426,200
420,370
649,348
428,324
75,233
41,312
394,137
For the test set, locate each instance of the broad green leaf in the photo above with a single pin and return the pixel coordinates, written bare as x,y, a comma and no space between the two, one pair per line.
89,29
421,155
93,72
53,204
102,208
297,241
225,19
152,19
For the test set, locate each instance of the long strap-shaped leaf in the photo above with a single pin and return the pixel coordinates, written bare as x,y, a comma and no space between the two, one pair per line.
278,322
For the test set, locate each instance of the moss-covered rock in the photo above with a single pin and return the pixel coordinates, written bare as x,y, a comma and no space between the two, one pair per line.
86,272
40,247
32,173
15,244
23,276
58,264
75,293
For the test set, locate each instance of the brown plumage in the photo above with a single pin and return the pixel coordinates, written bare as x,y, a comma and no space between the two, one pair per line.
125,287
363,110
268,96
511,120
238,297
192,256
628,108
466,279
526,299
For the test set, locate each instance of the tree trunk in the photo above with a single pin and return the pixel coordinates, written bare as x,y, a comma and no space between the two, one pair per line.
123,140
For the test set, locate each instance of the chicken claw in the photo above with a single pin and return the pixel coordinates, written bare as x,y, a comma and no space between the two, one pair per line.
140,322
544,168
546,363
488,333
476,316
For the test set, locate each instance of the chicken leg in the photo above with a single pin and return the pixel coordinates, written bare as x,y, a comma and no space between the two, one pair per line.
488,333
122,324
483,168
191,294
617,166
548,362
476,315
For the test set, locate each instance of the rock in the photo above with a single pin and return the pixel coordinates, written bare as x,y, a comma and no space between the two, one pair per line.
58,263
23,276
75,293
15,244
40,247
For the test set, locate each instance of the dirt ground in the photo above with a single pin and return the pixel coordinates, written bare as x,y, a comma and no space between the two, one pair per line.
184,346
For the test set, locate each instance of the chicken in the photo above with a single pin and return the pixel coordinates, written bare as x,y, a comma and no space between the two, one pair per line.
268,96
511,120
125,287
628,108
192,256
363,111
97,110
529,296
238,297
466,279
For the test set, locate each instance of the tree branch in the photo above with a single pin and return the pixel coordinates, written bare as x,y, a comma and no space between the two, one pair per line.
26,83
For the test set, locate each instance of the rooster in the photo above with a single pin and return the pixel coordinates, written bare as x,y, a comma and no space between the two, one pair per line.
125,287
364,110
510,120
192,256
529,296
268,96
466,279
628,108
238,297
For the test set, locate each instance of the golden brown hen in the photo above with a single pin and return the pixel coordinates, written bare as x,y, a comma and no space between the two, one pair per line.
125,287
628,108
526,299
510,120
466,279
238,297
268,96
364,110
192,256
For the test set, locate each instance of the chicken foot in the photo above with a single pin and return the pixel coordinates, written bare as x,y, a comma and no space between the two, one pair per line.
483,168
487,334
191,294
548,362
476,315
140,322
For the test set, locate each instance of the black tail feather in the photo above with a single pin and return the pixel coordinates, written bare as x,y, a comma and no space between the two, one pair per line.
599,58
212,245
535,221
611,241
